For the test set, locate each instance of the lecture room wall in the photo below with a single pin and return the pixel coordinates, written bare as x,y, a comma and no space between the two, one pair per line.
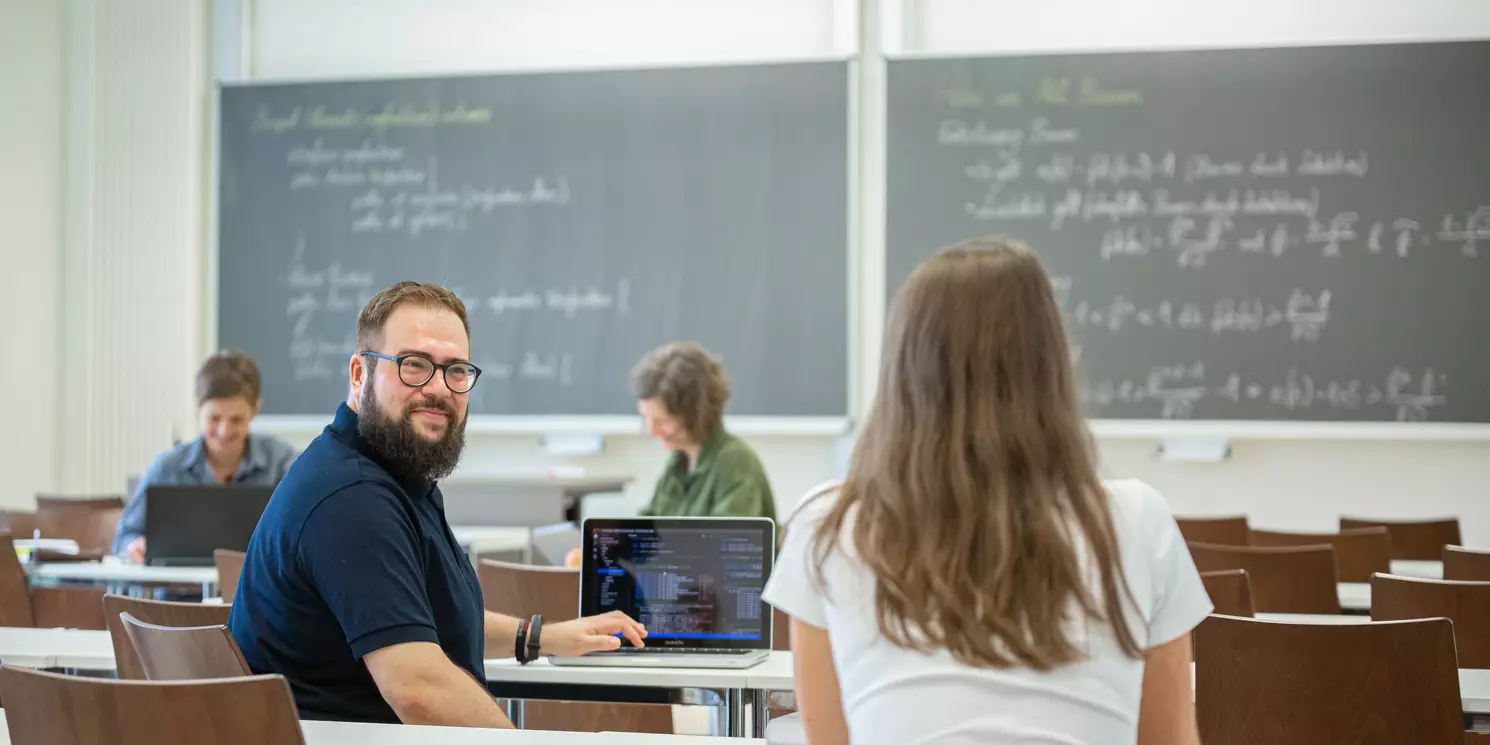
1302,484
31,75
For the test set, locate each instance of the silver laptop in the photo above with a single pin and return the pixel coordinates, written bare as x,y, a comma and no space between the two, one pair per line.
695,583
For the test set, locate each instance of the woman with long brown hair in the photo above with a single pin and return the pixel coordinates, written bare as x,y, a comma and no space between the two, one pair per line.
972,579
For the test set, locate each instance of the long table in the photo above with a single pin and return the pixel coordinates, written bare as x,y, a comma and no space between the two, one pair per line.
354,733
728,691
68,649
118,575
93,651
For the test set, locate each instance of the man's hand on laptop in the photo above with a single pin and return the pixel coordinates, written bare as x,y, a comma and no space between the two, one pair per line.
594,634
135,551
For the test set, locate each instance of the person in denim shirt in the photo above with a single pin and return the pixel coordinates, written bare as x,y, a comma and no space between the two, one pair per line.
225,452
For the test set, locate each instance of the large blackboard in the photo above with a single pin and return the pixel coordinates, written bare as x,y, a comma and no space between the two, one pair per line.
1266,234
584,217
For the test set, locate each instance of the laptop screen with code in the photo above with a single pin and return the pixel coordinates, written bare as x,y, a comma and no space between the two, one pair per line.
693,583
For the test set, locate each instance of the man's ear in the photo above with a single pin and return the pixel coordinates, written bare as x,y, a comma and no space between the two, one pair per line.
357,373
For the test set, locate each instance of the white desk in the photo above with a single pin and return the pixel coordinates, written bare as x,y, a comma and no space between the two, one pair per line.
352,733
1337,620
119,573
478,539
1355,596
1417,569
71,649
728,690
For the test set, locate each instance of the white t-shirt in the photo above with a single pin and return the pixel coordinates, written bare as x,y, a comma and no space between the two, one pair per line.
895,696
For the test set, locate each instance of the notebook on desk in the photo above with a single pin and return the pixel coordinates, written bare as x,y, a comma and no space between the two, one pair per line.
695,583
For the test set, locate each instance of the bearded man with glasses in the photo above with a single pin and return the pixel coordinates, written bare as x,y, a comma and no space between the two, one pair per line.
354,587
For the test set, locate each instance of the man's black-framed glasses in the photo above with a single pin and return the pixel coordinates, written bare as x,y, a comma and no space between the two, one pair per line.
416,370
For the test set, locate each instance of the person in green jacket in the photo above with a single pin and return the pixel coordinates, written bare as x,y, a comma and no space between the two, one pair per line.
681,392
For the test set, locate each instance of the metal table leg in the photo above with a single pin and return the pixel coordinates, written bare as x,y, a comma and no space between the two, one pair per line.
760,702
734,712
516,712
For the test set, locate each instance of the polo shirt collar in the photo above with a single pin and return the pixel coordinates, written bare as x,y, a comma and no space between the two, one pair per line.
344,426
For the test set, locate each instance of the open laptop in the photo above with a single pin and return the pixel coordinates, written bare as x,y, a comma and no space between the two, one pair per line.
695,583
184,524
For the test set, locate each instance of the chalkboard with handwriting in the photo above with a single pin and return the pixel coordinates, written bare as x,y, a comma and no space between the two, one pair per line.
1264,234
583,217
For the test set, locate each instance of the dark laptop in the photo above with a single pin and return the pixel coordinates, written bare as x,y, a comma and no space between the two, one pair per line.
184,524
695,583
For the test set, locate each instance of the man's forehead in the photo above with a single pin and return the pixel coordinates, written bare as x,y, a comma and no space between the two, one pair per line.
435,331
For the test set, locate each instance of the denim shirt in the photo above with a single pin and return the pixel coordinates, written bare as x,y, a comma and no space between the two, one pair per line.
264,462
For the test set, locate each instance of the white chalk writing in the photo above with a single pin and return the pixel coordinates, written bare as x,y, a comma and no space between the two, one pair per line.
1176,391
1304,314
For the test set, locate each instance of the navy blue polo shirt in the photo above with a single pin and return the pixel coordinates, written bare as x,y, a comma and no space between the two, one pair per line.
347,560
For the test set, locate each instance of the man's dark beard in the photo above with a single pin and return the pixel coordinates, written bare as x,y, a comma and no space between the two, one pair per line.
400,449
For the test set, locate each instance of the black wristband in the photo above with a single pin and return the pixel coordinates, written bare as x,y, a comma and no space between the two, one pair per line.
535,638
520,640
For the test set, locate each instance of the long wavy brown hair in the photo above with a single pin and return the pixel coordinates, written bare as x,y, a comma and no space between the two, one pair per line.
972,494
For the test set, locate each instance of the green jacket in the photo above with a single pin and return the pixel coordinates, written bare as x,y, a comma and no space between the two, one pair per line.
728,481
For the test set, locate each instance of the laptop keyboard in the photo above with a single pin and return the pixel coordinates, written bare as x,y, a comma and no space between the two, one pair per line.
676,650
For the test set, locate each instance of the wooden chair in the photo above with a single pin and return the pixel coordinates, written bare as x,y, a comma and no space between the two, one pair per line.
1467,604
1464,564
43,607
522,590
1216,531
1270,683
91,521
88,501
229,568
48,709
1359,553
1413,539
175,653
15,590
1230,592
1283,580
156,613
18,523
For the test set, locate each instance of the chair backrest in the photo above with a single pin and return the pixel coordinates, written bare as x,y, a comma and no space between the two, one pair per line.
1465,564
229,569
74,710
1467,604
1359,553
19,523
523,590
15,593
1217,531
1270,683
157,613
1283,580
81,501
1413,539
91,521
177,653
1230,591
